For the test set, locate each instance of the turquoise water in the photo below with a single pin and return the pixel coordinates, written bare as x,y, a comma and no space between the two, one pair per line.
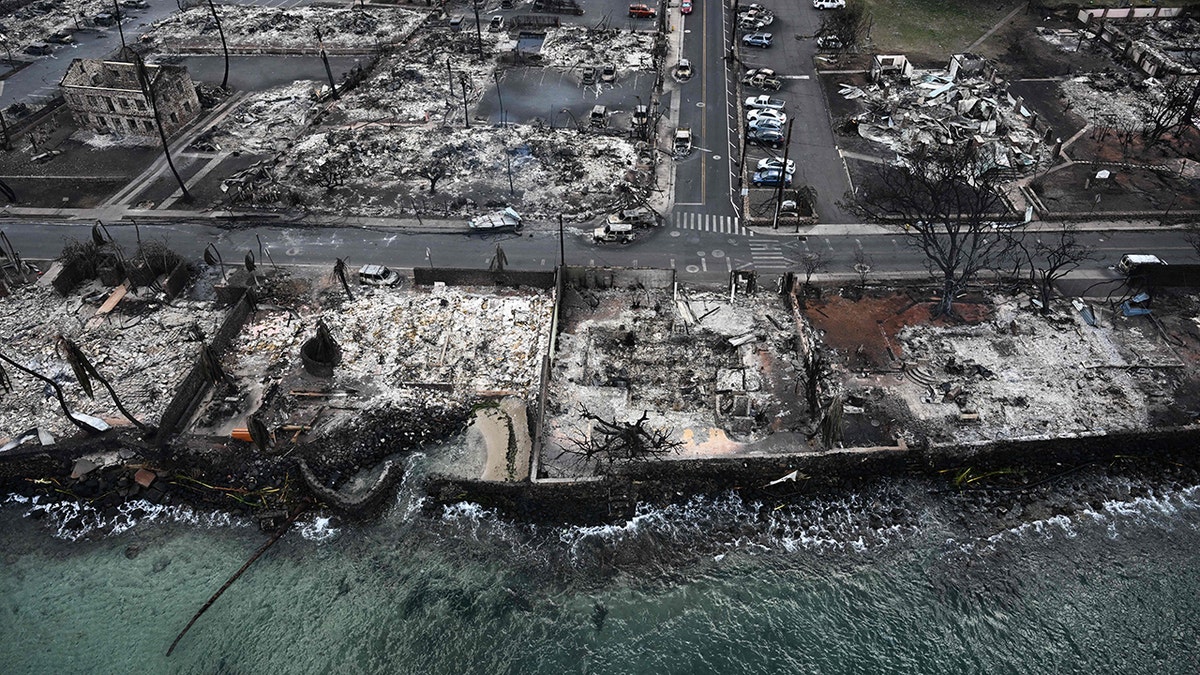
1100,576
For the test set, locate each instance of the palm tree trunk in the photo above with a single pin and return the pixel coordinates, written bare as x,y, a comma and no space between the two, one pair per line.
62,401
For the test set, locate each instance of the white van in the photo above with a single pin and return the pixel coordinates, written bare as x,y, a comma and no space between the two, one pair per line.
622,232
1130,262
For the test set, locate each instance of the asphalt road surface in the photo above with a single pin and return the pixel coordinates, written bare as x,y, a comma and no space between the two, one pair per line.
698,257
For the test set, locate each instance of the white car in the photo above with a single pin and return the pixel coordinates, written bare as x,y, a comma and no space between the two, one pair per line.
829,4
765,124
765,102
752,115
775,163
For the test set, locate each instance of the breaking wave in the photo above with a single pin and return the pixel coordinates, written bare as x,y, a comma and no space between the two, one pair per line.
73,521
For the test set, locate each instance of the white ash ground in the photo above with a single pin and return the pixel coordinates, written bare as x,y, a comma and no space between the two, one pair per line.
571,47
397,345
37,21
265,121
553,170
144,348
251,27
414,85
1051,378
1101,99
672,375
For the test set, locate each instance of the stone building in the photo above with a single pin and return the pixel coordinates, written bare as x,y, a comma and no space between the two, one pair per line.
105,96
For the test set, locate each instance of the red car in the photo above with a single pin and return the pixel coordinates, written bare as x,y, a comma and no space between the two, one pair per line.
642,12
685,7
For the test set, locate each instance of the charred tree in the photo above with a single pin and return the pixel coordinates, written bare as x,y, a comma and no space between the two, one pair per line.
848,25
611,440
85,372
146,82
58,392
1055,256
339,272
943,200
224,46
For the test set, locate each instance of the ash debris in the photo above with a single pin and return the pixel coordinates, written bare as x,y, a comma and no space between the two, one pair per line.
571,47
908,107
248,27
718,376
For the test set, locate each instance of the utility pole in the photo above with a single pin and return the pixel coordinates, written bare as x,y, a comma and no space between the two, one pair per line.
508,162
462,78
562,251
783,177
496,77
120,30
7,136
478,30
449,79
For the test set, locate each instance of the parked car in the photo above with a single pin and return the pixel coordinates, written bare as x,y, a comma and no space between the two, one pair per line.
377,275
588,76
765,123
771,177
685,7
621,232
775,163
1131,263
764,101
496,24
135,4
769,137
38,49
639,216
104,19
641,116
642,12
683,141
829,4
764,114
761,40
684,70
829,42
608,74
762,78
62,37
599,116
753,24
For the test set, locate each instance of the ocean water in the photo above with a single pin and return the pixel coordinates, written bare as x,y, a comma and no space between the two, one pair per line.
1098,575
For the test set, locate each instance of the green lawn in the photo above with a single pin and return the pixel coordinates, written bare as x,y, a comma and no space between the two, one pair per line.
938,27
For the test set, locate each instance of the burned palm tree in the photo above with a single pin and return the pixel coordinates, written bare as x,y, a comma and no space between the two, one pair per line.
499,260
224,47
85,372
213,257
147,85
321,352
6,383
339,271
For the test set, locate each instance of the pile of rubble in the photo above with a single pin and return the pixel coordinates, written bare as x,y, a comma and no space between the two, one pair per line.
700,366
423,81
1109,100
553,170
1023,375
908,107
248,27
265,121
26,22
143,347
571,47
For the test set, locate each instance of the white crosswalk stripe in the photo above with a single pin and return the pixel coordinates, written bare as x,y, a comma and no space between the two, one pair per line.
704,222
768,255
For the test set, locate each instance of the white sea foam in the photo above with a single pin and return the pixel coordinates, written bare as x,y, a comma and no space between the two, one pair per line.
319,529
75,520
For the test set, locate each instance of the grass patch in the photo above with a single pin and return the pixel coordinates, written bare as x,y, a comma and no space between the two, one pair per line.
934,27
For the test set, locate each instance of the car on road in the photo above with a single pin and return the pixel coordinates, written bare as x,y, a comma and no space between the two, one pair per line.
62,37
768,137
771,177
684,70
683,141
609,232
685,7
588,76
642,12
638,216
753,115
775,163
377,275
38,49
135,4
760,40
829,42
762,101
829,4
608,74
496,24
764,124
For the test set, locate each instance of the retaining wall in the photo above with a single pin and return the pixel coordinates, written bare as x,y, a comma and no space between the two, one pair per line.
619,277
424,276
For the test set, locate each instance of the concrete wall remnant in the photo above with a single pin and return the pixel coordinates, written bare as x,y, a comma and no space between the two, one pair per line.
619,277
424,276
885,64
1086,15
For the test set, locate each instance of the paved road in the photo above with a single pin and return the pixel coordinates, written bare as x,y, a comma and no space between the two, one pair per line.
703,257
